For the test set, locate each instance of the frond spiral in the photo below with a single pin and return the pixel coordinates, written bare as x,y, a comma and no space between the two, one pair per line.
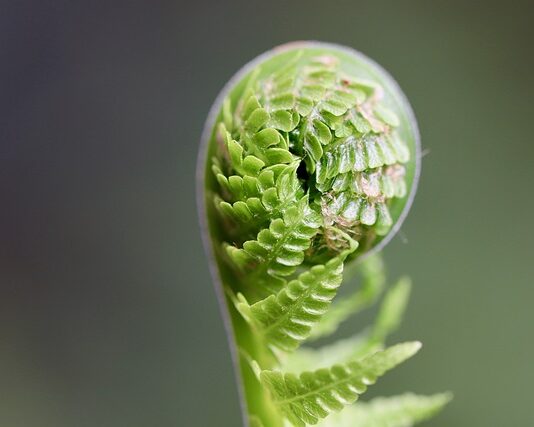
311,161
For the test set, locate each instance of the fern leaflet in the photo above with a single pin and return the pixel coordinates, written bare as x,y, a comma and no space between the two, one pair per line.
312,396
286,319
398,411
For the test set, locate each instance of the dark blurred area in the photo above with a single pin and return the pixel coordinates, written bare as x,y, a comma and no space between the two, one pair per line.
107,313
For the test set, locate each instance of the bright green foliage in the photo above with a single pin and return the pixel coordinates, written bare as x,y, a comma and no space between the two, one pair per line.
278,249
255,422
391,311
373,280
286,319
312,396
310,112
309,165
341,351
399,411
362,344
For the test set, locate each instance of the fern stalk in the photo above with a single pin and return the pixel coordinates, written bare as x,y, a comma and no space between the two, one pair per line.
309,161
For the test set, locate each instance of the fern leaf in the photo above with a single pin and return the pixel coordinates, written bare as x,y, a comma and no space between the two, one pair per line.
279,249
341,351
252,201
373,279
286,319
391,310
308,162
312,396
398,411
360,345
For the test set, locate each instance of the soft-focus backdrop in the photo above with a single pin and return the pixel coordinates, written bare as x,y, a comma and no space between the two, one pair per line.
107,313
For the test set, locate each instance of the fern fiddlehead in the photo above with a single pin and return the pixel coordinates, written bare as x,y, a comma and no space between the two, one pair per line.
309,161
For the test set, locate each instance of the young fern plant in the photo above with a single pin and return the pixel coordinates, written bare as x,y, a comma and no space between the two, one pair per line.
309,162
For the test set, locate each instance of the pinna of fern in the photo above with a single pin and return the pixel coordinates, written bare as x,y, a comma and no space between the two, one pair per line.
310,161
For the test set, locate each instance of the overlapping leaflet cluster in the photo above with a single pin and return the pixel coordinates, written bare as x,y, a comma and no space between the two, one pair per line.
308,162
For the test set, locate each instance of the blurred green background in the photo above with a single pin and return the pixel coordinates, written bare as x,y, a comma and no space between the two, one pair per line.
107,313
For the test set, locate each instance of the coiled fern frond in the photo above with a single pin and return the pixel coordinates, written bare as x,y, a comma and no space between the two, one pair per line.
310,161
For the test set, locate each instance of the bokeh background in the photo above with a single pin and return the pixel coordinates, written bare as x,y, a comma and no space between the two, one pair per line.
107,313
